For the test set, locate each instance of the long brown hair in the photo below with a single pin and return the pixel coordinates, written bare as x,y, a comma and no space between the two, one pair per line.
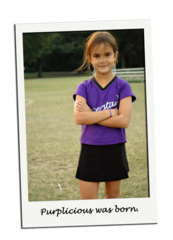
93,40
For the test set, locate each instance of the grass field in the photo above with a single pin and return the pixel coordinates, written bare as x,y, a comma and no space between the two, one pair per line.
53,141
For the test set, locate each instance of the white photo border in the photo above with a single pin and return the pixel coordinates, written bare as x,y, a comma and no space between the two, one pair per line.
67,213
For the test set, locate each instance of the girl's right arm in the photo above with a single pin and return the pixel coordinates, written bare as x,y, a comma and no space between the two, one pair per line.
89,117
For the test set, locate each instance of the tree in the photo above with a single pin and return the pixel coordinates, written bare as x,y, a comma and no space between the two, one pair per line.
63,51
131,47
68,52
37,46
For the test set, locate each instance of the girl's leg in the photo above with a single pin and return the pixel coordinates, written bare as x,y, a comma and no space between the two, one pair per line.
112,189
89,190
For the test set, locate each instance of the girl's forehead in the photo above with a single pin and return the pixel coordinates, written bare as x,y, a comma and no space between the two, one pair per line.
102,47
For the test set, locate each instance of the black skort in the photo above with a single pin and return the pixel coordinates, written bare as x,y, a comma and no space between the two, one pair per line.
102,163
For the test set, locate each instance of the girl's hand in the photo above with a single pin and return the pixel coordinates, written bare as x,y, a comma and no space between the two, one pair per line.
114,112
82,106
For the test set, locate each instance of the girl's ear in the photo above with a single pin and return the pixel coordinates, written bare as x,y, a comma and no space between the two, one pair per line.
90,59
115,57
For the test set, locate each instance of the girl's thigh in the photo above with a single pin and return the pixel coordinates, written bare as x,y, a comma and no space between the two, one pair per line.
112,189
89,190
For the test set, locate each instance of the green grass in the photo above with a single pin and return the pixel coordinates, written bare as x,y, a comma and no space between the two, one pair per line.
53,142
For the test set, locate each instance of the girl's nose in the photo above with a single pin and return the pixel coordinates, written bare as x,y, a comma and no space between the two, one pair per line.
102,59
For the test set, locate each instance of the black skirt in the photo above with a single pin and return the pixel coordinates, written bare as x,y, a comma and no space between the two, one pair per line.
102,163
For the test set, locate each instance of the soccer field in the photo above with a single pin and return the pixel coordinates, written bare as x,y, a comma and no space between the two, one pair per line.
53,141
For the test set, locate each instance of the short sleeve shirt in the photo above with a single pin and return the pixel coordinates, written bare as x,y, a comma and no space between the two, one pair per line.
99,99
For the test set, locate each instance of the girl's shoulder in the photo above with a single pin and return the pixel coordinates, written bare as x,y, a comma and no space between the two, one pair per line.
124,89
120,82
86,83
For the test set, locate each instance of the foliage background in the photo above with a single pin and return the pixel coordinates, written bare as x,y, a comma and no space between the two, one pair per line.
63,51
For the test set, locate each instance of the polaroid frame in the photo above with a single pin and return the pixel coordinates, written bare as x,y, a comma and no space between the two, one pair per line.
83,212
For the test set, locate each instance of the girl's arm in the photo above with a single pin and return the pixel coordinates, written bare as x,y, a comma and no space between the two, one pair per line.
123,119
88,117
119,120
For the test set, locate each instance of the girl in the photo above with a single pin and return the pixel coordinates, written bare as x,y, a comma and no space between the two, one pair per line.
103,106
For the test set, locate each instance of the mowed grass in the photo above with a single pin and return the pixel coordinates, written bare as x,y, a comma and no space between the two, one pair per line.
53,142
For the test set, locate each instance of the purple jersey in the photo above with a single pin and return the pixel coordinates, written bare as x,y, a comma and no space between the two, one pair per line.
99,99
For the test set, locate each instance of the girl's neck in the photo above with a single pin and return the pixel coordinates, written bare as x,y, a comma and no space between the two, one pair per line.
104,79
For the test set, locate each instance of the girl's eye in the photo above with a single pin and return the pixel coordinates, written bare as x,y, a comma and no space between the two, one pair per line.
107,55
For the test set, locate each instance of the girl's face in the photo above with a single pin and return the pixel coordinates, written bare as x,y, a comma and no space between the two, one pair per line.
102,58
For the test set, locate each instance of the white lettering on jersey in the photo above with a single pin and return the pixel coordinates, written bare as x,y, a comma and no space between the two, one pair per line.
105,106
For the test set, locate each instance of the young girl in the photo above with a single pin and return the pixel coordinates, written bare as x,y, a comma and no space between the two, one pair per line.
103,106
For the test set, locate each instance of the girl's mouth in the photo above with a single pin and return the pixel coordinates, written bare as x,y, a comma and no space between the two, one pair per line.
103,66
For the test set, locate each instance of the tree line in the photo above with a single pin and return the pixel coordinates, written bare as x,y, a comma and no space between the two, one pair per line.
63,51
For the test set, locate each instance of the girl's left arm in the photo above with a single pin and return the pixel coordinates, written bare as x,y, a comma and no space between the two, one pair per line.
123,119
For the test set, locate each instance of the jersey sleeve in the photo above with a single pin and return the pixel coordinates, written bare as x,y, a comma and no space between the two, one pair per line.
126,91
81,90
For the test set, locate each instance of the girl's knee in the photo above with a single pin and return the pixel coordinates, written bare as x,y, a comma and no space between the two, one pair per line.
114,194
112,189
89,190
